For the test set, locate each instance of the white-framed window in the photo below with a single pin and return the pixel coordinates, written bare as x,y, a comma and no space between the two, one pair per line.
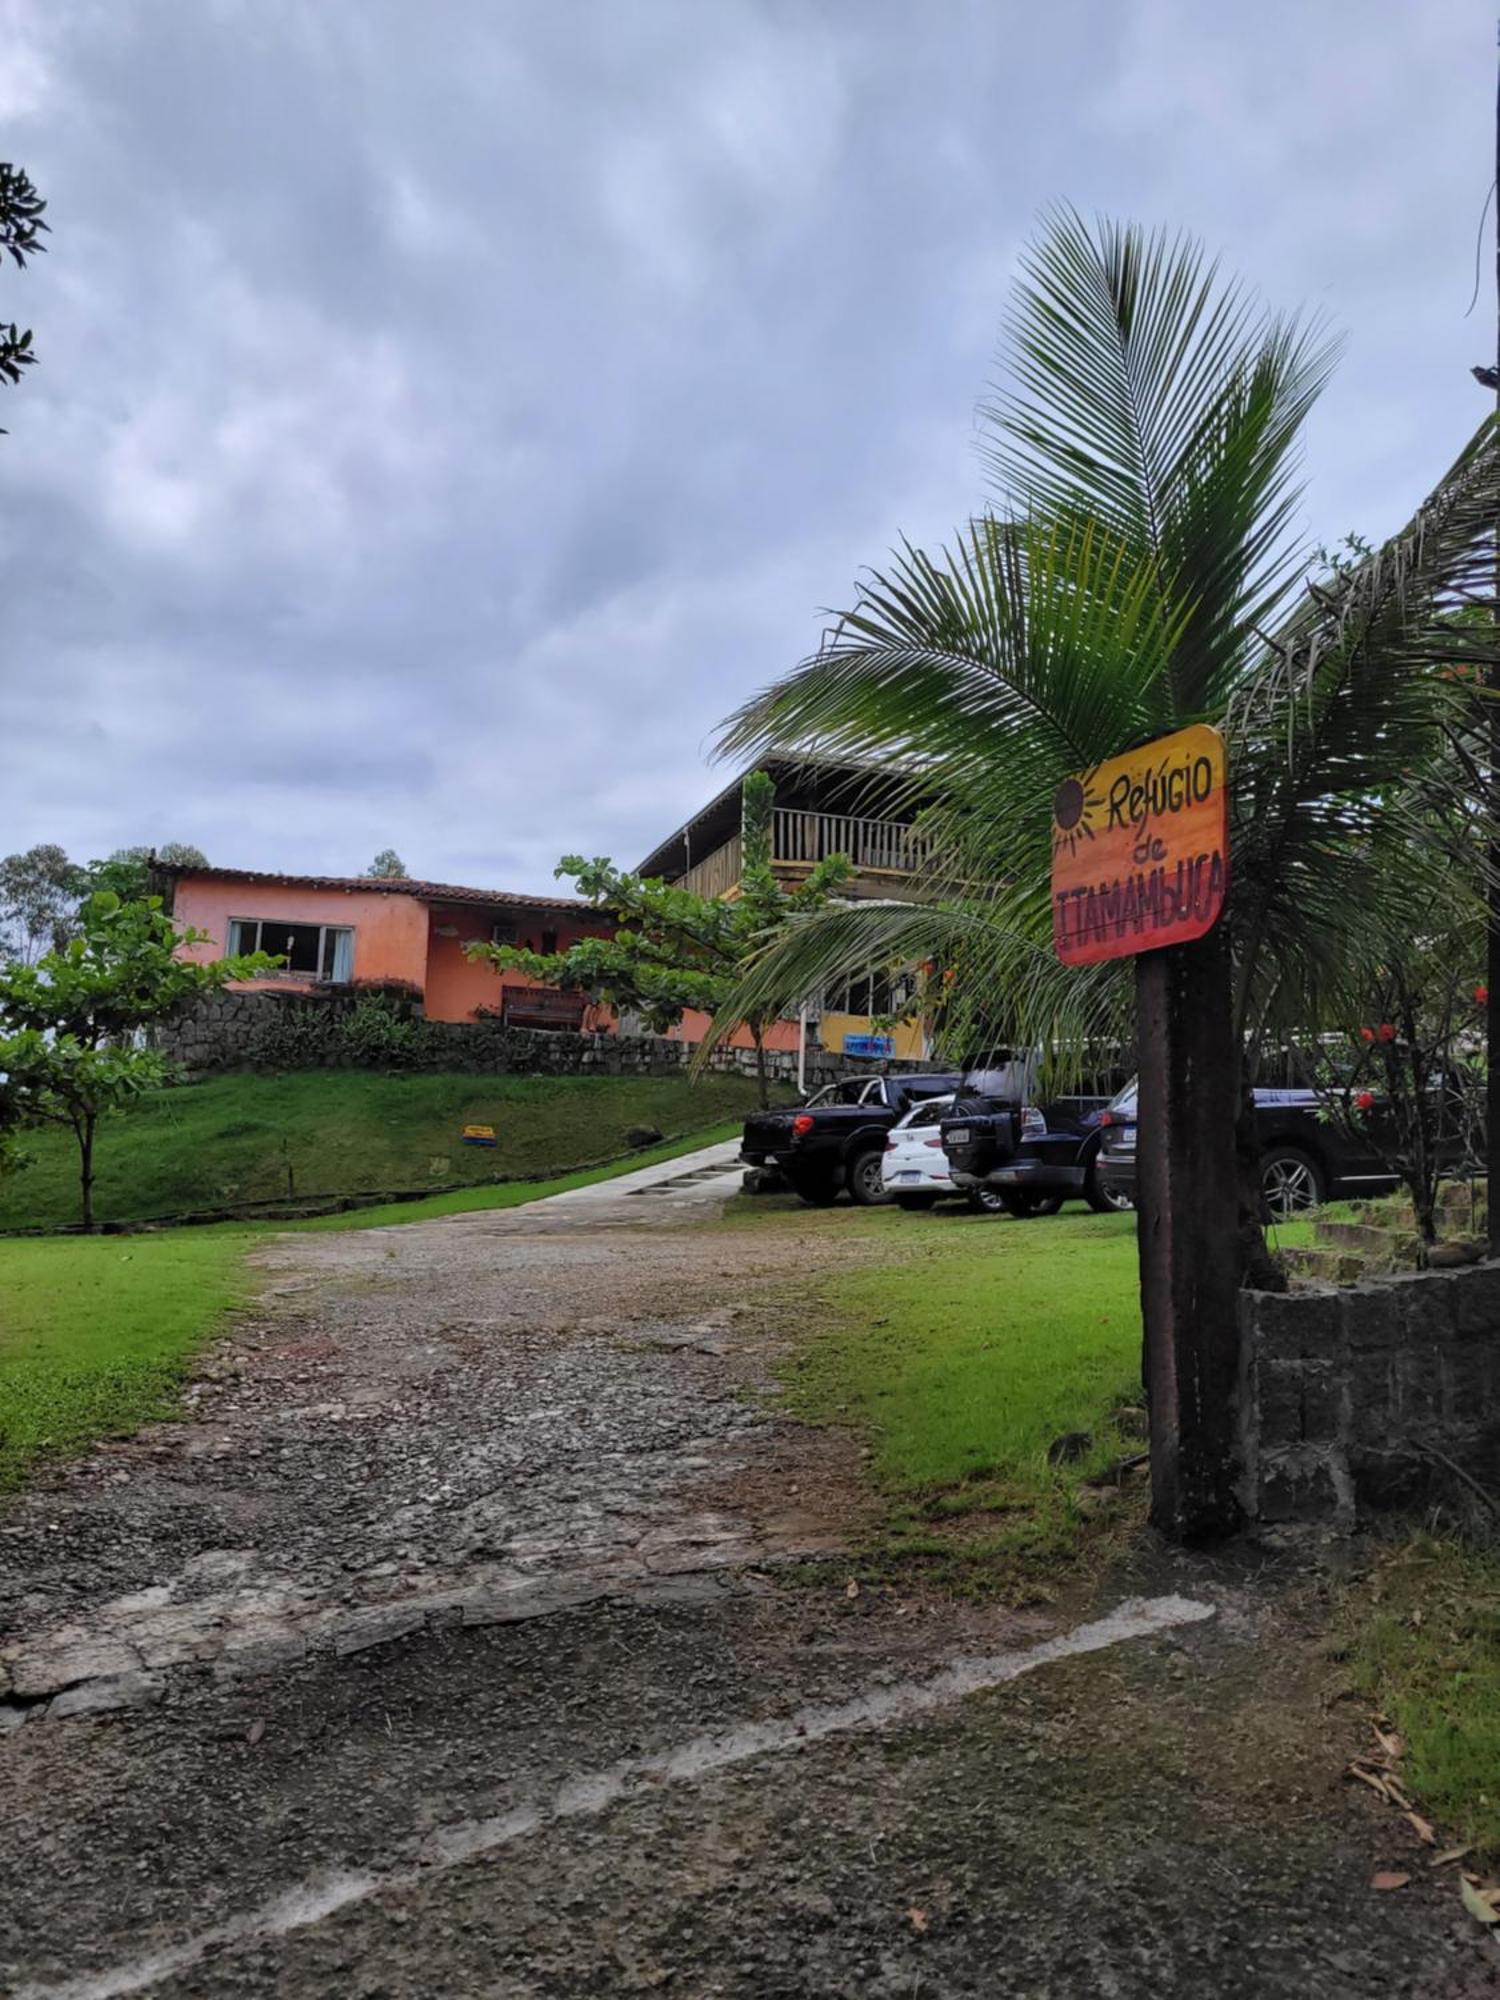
318,951
872,993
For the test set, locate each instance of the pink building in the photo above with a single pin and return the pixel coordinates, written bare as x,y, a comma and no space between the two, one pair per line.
335,930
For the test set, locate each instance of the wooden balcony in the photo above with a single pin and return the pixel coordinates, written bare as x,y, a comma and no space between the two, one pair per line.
874,846
799,840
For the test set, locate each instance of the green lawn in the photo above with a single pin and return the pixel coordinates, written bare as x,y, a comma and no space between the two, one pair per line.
1425,1645
95,1334
261,1137
962,1364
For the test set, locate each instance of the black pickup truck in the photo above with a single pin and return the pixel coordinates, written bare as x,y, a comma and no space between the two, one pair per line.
1031,1163
836,1139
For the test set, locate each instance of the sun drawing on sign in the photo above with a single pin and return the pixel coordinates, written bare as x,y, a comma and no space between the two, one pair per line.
1073,806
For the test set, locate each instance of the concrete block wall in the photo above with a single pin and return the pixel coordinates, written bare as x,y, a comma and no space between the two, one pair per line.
1365,1398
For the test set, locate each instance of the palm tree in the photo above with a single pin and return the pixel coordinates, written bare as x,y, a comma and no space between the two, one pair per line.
1137,574
1140,576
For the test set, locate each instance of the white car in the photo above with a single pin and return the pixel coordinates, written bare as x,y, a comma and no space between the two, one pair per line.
914,1167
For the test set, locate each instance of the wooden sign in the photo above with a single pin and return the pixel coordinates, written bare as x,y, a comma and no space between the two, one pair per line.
1140,849
479,1135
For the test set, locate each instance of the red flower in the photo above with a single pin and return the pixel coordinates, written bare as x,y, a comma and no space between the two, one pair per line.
1367,1034
926,968
949,976
1482,995
1387,1032
1366,1100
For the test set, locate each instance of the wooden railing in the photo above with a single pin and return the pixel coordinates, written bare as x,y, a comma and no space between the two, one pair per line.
884,845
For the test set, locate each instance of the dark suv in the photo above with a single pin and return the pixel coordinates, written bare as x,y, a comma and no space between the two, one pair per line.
1305,1157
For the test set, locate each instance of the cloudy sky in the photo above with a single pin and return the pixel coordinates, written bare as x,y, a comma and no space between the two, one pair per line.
446,414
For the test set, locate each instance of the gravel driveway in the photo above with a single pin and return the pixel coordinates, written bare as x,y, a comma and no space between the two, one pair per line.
447,1649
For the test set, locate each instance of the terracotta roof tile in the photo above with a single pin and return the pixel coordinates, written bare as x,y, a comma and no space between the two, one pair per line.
386,885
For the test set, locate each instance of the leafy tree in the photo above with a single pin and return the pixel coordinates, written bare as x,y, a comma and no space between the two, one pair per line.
1136,576
1407,1081
673,950
127,871
38,894
21,232
71,1024
387,866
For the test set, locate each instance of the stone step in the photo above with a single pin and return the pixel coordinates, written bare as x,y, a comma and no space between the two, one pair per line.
1335,1267
1394,1248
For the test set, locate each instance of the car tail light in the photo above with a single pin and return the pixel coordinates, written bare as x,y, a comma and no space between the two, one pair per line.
890,1145
803,1122
1033,1124
933,1142
1106,1118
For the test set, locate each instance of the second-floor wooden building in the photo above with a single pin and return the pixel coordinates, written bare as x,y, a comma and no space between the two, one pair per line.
823,807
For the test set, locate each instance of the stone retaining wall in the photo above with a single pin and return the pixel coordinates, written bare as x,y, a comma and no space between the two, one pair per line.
228,1031
1378,1395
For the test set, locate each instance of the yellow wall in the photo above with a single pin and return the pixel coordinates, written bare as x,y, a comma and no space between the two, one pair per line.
907,1035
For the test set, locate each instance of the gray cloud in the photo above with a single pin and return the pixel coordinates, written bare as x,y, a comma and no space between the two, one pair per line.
447,415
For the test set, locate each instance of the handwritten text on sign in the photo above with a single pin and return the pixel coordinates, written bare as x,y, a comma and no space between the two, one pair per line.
1140,849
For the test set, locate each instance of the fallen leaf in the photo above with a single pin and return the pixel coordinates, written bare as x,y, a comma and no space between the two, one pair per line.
1376,1780
918,1918
255,1732
1389,1878
1453,1854
1481,1904
851,1588
1423,1829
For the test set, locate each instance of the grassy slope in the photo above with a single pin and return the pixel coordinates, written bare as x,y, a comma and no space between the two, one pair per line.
239,1138
511,1194
95,1334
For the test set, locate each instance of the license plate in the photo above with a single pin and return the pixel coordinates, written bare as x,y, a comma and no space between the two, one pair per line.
908,1177
960,1137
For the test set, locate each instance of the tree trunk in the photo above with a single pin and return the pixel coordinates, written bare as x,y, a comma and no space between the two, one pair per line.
1187,1194
762,1079
85,1131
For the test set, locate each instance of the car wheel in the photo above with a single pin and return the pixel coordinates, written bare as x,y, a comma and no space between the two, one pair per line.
987,1200
1104,1200
866,1180
1021,1203
916,1202
1291,1183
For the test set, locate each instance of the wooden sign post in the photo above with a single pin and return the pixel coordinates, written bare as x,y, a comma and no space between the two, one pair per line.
1140,868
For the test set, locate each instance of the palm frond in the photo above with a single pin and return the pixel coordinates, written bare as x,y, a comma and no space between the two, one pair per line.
1166,404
